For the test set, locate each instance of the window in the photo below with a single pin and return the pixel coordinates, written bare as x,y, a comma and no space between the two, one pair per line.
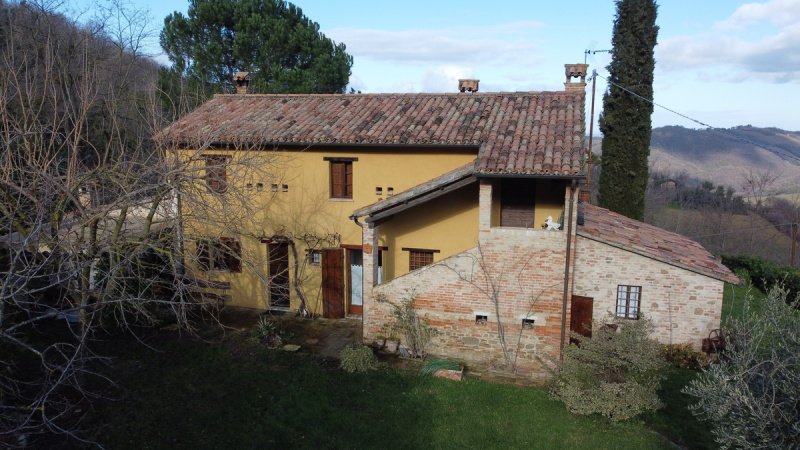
419,257
628,299
481,319
314,257
341,177
216,172
219,254
527,324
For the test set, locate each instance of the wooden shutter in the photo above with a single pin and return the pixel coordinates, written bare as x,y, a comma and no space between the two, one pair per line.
333,283
203,256
216,173
337,179
348,179
230,255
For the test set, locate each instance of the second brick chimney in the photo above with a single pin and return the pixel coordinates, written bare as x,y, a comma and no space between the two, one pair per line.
242,82
468,85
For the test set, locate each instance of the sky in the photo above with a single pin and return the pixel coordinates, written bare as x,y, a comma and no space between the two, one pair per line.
723,63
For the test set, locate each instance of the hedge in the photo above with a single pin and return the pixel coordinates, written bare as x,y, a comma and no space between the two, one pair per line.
764,275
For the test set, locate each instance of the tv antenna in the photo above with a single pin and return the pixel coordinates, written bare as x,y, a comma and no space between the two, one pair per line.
586,53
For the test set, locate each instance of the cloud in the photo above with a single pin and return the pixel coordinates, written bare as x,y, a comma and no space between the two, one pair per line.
445,78
509,42
738,56
778,12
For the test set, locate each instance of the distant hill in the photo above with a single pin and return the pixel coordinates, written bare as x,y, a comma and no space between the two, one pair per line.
724,155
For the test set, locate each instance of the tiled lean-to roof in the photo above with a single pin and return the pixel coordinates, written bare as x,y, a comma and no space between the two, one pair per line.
647,240
421,193
530,133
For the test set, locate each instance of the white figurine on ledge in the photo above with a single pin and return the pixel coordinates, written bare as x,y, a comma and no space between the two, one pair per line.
550,225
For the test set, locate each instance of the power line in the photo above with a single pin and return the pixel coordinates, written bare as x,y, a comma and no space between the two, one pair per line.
712,128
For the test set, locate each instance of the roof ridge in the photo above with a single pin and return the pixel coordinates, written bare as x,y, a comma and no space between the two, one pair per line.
402,94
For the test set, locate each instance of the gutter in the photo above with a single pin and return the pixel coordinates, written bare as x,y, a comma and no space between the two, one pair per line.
566,268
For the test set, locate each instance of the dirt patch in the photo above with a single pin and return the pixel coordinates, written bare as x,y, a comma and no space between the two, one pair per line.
325,337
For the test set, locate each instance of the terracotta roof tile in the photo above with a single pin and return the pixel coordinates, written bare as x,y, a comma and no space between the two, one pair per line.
619,231
533,133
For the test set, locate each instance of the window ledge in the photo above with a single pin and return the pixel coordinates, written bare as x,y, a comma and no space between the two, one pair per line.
336,199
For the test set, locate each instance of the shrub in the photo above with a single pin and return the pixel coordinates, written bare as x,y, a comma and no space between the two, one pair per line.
752,394
414,330
765,275
357,358
684,356
616,372
268,332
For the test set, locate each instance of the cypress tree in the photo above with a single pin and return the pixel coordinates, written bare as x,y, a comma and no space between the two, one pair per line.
625,120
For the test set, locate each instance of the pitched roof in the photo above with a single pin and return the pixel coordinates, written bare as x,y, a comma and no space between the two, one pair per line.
421,193
647,240
531,133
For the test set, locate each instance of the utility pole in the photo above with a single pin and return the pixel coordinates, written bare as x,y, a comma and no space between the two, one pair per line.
591,123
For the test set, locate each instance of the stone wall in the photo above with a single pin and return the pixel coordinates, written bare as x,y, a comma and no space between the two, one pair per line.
683,305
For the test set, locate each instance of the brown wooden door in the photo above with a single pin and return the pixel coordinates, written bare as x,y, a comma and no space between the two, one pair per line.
581,315
278,254
333,283
517,201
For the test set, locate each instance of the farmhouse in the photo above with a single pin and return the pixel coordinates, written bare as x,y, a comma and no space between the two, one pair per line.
470,202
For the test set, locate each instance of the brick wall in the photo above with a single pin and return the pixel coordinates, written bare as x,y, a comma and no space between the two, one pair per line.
522,268
683,305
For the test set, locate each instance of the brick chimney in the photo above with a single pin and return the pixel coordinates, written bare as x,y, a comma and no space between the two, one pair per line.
242,81
468,85
575,71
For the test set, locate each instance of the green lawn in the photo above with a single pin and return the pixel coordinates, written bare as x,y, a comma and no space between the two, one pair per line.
735,298
200,395
236,394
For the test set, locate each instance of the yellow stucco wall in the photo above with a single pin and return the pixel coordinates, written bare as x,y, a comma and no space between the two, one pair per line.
306,209
448,224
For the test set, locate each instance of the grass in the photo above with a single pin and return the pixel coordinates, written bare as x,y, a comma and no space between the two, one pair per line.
200,395
237,394
734,300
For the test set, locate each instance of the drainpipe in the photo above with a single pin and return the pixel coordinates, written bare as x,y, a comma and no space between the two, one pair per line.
566,269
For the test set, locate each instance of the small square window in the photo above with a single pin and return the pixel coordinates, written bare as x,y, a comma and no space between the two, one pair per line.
260,187
285,188
249,186
390,191
419,257
314,257
378,190
481,319
274,187
527,324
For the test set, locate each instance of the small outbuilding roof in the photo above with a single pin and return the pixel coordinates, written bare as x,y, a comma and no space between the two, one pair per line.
616,230
515,133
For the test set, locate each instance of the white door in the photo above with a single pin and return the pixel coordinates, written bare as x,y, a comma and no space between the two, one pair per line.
356,277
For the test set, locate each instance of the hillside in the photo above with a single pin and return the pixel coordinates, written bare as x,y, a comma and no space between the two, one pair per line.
724,156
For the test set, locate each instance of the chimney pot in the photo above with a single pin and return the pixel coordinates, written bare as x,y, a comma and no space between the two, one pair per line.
468,85
242,81
575,71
